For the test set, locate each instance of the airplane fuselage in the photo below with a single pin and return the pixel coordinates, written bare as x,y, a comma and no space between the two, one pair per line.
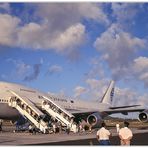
72,105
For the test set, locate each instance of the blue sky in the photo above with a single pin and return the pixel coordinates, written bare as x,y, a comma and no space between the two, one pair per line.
75,49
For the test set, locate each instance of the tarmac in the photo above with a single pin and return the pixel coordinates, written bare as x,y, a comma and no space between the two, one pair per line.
7,137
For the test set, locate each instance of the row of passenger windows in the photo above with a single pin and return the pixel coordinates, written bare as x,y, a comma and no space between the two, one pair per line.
2,100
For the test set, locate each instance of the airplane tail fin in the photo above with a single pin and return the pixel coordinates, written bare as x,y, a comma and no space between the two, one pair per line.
108,96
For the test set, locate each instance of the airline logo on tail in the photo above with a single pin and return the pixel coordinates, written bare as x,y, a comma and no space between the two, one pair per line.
108,96
112,94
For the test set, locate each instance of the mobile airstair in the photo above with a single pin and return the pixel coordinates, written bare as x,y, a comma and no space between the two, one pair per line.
57,112
28,109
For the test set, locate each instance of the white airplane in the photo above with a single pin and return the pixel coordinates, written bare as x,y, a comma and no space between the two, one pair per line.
12,96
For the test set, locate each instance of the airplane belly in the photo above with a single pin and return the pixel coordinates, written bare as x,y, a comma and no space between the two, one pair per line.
7,112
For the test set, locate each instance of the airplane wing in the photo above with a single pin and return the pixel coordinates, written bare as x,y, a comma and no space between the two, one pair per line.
112,110
125,109
118,107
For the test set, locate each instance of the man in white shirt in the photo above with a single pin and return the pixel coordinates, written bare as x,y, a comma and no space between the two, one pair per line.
103,135
125,134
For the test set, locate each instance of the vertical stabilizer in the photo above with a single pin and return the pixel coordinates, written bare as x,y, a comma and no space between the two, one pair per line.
108,96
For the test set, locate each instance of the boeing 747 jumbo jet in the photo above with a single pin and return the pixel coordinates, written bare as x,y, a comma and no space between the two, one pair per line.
17,100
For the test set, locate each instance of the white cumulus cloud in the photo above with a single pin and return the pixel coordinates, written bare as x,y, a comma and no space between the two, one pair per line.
118,49
31,35
59,27
73,36
8,29
140,69
55,69
63,15
79,90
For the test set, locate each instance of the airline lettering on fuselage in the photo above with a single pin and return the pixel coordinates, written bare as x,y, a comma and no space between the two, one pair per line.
57,99
27,90
53,98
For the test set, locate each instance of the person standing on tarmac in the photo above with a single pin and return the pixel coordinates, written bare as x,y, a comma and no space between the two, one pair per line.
103,135
54,127
68,129
117,128
125,134
1,123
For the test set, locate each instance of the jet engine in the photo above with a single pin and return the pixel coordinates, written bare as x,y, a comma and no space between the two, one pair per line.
94,119
143,116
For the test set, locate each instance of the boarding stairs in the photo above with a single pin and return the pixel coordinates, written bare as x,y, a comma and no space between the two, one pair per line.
57,112
29,110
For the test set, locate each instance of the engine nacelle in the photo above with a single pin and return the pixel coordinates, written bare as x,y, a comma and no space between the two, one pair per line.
94,119
143,116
